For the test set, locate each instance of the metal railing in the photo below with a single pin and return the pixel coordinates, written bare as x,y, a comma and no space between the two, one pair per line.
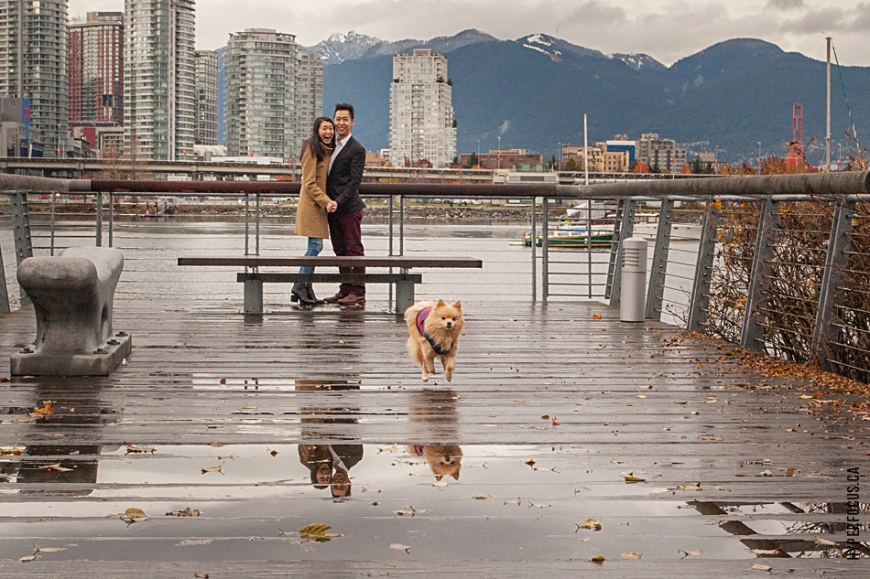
774,263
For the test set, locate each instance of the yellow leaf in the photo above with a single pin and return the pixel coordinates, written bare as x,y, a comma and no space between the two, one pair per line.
134,515
597,560
188,512
28,558
591,524
481,497
631,555
633,479
822,541
530,461
314,529
761,567
400,547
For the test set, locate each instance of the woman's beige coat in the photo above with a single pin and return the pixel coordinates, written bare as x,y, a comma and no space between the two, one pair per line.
311,211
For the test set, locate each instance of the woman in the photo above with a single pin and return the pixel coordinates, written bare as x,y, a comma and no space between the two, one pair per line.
313,201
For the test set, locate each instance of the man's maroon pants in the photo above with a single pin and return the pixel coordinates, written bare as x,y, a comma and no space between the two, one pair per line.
345,231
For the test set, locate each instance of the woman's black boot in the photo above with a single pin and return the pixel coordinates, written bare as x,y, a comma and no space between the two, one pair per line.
311,296
299,293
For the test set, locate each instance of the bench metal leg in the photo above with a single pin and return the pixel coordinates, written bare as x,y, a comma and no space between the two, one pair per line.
404,295
253,296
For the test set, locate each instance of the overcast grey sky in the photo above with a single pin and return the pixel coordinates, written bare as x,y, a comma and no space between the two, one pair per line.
665,29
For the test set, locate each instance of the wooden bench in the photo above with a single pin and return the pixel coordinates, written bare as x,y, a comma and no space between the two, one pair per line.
404,280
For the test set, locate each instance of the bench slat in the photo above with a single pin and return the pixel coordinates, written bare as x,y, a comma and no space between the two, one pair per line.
334,261
331,277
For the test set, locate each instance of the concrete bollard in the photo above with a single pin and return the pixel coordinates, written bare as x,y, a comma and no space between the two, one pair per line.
72,296
632,304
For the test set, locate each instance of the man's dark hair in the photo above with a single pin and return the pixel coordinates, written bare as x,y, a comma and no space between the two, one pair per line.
344,107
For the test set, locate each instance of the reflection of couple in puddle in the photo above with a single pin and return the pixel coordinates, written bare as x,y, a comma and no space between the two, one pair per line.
330,464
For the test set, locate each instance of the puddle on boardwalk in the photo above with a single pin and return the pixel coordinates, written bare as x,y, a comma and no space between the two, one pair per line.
386,502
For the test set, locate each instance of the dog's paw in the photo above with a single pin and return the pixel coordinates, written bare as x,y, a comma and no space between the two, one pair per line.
449,375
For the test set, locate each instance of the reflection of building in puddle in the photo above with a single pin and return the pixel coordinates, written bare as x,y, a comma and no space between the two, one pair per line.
787,548
54,469
434,418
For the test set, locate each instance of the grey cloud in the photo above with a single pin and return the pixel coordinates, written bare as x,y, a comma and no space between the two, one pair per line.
815,22
785,4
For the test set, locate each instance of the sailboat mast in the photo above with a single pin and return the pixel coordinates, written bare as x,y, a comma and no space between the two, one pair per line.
828,109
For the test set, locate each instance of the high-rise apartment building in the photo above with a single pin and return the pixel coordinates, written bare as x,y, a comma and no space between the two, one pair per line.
309,94
661,154
95,69
206,98
159,79
422,126
33,52
274,91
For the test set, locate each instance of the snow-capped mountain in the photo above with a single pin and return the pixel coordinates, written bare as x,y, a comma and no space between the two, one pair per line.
352,46
639,61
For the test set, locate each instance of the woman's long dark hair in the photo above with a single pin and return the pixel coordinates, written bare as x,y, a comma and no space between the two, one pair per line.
314,144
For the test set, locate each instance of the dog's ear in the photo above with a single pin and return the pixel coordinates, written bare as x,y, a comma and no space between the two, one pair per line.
440,304
456,475
458,305
438,478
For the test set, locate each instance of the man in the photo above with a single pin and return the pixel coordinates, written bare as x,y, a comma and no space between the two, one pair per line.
342,186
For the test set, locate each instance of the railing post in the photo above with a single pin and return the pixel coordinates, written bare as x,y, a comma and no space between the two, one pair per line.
626,230
4,292
831,292
21,228
99,233
752,332
700,300
534,247
656,293
51,228
545,248
112,218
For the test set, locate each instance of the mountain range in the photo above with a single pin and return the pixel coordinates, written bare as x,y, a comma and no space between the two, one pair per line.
534,91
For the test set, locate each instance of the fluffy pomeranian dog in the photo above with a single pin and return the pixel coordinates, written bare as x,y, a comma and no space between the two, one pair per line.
434,330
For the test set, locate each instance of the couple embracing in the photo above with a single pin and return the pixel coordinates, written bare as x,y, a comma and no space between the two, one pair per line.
329,202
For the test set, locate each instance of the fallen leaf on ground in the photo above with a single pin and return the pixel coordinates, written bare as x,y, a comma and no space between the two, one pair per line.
49,549
687,553
632,555
481,497
139,449
317,531
822,541
400,547
597,560
694,487
529,461
28,558
188,512
54,468
439,483
766,551
716,438
200,575
272,452
761,567
134,515
214,469
633,479
411,511
591,524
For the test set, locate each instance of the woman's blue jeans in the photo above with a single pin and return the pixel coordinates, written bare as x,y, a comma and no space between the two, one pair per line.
315,246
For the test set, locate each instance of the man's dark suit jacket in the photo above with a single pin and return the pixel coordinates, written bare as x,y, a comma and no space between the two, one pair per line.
342,183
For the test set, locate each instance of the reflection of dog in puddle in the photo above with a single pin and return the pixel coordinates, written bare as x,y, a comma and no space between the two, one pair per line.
434,416
443,459
434,329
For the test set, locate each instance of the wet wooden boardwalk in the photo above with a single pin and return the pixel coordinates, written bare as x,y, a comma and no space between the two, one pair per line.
738,469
